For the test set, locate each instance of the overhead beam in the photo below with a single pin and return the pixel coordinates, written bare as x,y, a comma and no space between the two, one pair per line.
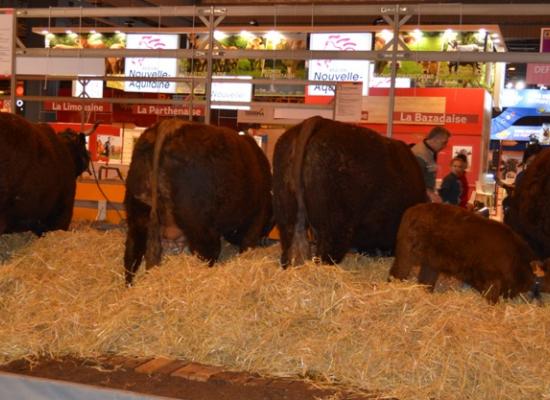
291,10
524,57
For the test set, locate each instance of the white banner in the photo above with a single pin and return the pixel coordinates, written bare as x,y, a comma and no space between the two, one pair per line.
338,70
151,67
231,92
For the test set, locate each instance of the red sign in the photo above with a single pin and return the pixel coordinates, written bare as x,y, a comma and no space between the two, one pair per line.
78,107
167,110
434,118
538,74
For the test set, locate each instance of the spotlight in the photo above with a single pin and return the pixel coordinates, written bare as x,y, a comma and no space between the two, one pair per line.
253,22
520,85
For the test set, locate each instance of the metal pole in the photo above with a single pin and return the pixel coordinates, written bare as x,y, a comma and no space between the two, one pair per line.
13,64
208,83
393,69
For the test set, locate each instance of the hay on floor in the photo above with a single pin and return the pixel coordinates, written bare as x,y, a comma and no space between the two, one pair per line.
65,294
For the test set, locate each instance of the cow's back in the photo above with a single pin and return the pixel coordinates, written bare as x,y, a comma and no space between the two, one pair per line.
209,182
362,177
356,185
213,170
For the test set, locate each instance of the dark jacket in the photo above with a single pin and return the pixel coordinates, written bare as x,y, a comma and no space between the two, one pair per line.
451,189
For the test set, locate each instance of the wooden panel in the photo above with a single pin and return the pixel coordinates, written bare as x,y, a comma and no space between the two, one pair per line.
88,190
89,194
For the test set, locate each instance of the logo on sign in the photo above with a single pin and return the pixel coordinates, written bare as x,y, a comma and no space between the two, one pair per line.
145,67
337,42
338,70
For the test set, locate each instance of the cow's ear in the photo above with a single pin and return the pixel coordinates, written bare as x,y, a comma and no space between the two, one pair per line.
538,268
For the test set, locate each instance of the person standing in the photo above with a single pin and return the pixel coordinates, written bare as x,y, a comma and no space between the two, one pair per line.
452,187
465,196
426,154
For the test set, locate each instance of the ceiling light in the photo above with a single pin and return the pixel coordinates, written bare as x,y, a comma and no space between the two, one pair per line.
219,35
520,85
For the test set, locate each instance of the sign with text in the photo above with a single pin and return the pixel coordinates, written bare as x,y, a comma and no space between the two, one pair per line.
526,98
524,133
428,118
270,114
338,70
538,74
151,67
77,107
256,114
349,96
408,110
232,92
167,110
6,41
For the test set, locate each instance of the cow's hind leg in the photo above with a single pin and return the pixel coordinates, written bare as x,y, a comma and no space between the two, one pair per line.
428,276
332,246
136,238
204,242
285,238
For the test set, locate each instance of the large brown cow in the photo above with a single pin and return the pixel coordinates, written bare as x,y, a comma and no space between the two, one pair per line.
529,211
486,254
195,182
340,186
38,171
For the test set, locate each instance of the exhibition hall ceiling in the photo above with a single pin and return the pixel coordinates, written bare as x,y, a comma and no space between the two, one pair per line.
521,33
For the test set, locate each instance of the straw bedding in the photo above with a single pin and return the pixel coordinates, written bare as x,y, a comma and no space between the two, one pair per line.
64,294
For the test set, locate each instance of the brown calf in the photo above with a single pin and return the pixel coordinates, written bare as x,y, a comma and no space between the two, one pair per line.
485,254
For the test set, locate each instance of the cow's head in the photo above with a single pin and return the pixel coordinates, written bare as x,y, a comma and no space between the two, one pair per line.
77,146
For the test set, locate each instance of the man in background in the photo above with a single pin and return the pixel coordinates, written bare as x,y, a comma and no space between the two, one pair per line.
426,154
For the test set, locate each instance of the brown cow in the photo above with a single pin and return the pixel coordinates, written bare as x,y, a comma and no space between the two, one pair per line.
340,186
196,183
486,254
529,211
38,171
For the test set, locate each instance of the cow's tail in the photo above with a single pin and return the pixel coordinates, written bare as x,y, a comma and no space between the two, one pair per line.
153,250
300,250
